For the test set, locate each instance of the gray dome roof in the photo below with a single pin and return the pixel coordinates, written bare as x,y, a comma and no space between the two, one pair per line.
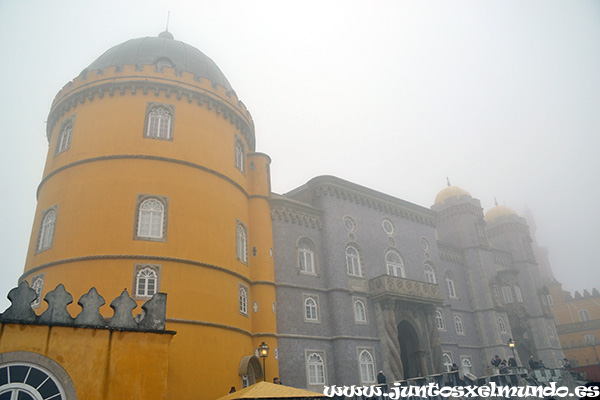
163,50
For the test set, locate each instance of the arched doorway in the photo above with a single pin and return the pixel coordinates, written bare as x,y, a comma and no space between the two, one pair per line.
410,350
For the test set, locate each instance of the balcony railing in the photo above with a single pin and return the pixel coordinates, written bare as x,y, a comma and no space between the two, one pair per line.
393,287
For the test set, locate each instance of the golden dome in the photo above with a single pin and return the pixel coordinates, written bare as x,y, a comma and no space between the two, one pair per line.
499,211
450,191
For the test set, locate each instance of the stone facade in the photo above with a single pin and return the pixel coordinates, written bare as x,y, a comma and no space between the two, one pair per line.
481,294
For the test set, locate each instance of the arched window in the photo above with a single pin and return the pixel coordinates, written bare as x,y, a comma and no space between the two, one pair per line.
316,369
46,234
243,299
496,290
447,361
458,325
240,155
518,295
429,273
450,284
159,123
507,294
549,330
367,367
584,315
306,256
394,263
146,282
501,325
241,242
151,218
64,138
466,365
360,311
310,309
27,381
353,261
439,320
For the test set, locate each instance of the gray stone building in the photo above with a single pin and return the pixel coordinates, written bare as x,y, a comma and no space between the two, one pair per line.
368,282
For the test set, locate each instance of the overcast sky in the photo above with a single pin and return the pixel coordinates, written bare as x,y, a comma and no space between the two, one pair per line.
503,97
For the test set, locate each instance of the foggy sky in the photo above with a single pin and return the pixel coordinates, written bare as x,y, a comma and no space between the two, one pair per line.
503,97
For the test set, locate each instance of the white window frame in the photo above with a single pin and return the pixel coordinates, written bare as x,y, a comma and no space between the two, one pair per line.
459,325
449,277
47,229
447,361
159,121
507,295
439,320
306,256
360,311
496,290
353,264
429,273
518,294
311,308
316,374
550,299
240,155
241,242
589,339
65,134
151,273
366,366
584,315
243,299
466,364
151,218
395,267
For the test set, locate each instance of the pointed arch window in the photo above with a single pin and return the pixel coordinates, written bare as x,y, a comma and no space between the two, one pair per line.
47,227
306,256
353,261
458,325
243,299
439,320
151,218
311,310
367,367
395,265
316,369
447,361
360,311
63,142
241,243
240,155
159,121
429,273
502,325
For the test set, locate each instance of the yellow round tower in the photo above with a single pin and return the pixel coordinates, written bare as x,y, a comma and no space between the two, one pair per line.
152,184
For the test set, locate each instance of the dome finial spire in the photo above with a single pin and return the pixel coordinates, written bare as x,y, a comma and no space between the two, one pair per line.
448,181
495,201
168,16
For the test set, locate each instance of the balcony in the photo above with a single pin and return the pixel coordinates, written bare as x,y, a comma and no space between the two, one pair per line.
394,288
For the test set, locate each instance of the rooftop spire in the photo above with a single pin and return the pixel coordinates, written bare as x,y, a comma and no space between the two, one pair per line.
448,181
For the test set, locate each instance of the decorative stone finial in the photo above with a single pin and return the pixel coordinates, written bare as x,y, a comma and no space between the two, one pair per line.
90,314
57,313
21,298
123,306
155,312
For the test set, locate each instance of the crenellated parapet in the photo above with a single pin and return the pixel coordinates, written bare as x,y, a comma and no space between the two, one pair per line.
152,318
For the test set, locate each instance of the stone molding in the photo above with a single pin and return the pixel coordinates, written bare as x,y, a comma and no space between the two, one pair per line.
328,338
369,201
143,85
221,326
452,254
392,287
459,210
297,217
578,326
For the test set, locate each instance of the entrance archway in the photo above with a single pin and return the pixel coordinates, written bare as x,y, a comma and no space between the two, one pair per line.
410,350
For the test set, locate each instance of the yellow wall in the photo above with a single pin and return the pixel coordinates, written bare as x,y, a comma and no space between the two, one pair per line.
102,364
95,184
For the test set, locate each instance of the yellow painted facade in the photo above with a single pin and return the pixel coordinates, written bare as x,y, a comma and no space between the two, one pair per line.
96,185
578,324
